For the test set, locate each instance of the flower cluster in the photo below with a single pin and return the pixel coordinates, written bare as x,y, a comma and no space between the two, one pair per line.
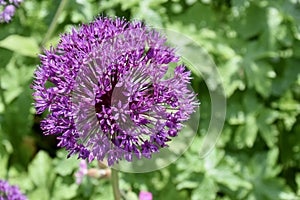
8,192
108,93
7,9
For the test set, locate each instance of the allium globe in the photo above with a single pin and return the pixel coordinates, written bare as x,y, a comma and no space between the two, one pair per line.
109,93
10,192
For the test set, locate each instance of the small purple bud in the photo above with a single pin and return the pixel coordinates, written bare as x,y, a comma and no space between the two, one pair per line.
145,195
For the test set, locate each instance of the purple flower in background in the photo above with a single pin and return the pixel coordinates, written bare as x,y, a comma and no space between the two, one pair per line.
145,195
8,9
83,170
8,192
108,92
7,13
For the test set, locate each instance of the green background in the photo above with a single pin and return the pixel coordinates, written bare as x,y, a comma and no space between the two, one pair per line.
254,43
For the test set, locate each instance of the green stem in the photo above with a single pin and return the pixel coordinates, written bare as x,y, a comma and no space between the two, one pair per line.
53,24
115,184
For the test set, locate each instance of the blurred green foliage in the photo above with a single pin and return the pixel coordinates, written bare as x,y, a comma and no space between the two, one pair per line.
256,46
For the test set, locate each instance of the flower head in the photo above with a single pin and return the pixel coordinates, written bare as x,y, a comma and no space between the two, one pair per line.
106,88
8,9
8,192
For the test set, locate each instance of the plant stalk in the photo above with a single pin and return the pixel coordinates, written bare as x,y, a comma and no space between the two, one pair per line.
53,24
115,184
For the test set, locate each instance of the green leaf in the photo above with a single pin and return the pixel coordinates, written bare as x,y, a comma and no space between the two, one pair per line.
15,79
262,166
19,178
65,166
269,133
149,15
298,183
213,159
41,170
251,103
207,189
258,76
232,78
17,125
3,165
188,184
23,45
235,113
246,134
285,79
125,5
132,196
268,189
197,14
63,190
267,130
262,170
5,56
252,22
39,193
290,109
225,176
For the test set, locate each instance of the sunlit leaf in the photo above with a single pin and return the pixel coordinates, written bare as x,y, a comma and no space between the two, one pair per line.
41,170
23,45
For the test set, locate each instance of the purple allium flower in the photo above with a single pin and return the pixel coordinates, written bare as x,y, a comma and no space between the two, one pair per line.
106,88
8,9
83,170
145,195
8,192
